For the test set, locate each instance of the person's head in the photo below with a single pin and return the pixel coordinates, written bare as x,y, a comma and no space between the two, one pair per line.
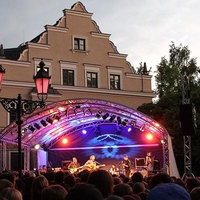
168,191
137,177
39,183
60,177
160,178
4,183
113,166
53,192
74,159
70,180
117,180
138,187
103,180
195,193
125,157
122,189
92,157
8,176
148,153
11,194
84,191
44,167
191,183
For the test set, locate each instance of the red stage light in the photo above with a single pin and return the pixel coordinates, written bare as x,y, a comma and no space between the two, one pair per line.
64,140
149,136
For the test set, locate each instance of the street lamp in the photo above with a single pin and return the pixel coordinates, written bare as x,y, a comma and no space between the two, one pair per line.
21,106
2,72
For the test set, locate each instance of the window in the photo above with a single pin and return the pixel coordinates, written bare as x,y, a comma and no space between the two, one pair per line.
68,77
79,44
92,80
114,82
12,117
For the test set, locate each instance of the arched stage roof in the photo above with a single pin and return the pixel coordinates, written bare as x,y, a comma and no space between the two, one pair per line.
73,115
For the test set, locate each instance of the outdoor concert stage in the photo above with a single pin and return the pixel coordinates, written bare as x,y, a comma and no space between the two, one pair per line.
109,143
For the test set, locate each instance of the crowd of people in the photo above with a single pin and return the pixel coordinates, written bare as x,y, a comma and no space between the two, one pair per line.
96,184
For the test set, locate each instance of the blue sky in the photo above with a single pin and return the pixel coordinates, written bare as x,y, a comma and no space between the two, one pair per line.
143,29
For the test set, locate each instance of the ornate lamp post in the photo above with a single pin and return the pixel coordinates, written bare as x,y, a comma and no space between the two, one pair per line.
2,72
21,106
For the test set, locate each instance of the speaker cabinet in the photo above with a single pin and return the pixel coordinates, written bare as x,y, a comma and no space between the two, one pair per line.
139,162
187,120
65,164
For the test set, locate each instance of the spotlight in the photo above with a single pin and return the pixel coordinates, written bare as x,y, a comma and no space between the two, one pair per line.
98,115
37,126
119,121
37,146
142,128
49,120
24,130
105,116
64,140
133,123
129,129
125,122
112,118
84,131
56,118
31,128
43,122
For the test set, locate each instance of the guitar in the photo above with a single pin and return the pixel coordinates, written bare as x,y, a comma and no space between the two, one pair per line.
74,170
93,166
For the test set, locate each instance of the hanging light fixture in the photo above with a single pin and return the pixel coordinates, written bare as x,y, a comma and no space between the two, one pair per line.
105,116
42,79
112,118
2,72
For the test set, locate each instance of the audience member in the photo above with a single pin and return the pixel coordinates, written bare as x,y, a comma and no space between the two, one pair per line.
168,191
137,177
8,176
84,191
195,193
53,192
114,197
11,194
39,183
138,187
103,180
70,181
122,189
117,180
191,183
143,195
160,178
4,183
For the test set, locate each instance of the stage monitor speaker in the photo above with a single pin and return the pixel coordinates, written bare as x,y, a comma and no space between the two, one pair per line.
65,164
187,121
139,162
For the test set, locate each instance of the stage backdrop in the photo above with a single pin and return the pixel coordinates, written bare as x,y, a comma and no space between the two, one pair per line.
109,143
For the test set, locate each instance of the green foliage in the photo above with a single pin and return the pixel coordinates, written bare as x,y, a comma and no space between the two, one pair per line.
169,81
169,73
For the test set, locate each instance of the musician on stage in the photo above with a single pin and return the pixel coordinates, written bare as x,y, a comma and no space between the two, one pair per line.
74,165
149,161
126,163
91,163
114,170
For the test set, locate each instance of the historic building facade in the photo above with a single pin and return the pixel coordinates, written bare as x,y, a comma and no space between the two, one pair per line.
82,63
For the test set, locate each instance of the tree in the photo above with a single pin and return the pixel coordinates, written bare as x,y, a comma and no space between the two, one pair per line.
170,73
169,80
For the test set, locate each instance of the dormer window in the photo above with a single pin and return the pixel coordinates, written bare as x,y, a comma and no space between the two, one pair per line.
79,44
